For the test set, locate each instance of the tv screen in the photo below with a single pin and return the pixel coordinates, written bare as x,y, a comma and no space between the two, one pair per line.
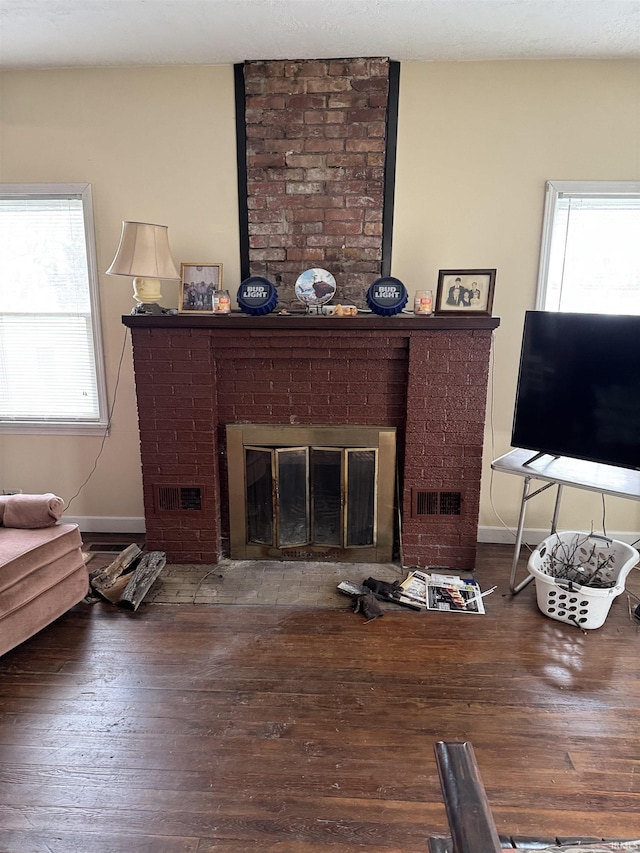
579,387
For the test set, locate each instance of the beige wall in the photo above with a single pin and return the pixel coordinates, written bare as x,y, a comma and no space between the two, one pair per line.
157,145
477,141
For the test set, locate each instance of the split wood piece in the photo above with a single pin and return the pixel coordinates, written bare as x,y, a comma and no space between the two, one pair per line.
140,581
114,592
110,581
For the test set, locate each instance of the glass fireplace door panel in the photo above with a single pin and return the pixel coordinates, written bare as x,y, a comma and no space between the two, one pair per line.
362,470
260,495
292,466
326,495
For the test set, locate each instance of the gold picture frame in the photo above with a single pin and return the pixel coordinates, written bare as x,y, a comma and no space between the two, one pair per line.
198,283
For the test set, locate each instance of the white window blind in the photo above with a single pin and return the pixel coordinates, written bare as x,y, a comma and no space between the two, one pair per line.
590,259
50,353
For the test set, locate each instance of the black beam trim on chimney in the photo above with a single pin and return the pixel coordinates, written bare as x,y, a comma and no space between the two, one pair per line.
241,154
390,166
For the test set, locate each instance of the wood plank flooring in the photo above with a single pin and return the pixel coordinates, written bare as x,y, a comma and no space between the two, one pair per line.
230,729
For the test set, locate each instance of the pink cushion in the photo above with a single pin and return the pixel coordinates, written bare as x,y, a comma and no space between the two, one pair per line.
30,511
42,574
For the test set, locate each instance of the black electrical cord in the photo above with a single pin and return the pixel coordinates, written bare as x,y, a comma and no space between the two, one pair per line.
106,429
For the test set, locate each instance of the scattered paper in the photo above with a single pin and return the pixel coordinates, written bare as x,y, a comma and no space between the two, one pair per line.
448,593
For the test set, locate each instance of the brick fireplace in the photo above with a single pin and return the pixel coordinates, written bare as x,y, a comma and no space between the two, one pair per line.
425,377
316,166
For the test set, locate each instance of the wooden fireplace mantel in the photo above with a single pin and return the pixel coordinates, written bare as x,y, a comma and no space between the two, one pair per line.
298,322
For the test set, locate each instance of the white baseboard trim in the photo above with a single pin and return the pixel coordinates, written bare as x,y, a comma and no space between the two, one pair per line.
504,536
106,524
533,536
496,535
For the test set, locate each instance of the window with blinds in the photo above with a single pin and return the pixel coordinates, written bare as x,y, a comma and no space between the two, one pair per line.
590,256
51,375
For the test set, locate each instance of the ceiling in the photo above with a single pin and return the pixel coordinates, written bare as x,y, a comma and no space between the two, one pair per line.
76,33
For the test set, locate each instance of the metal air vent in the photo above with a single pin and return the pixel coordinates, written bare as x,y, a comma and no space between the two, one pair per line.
435,503
179,498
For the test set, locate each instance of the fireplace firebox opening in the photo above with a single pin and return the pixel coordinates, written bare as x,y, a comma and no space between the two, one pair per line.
311,492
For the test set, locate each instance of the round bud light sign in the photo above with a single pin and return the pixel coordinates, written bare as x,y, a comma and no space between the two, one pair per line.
257,295
387,296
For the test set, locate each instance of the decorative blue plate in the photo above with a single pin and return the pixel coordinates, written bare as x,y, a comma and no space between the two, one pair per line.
387,296
257,295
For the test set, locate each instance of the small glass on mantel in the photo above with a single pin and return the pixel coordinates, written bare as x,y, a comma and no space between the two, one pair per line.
423,302
221,302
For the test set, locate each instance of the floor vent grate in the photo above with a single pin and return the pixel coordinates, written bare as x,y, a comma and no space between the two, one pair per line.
107,547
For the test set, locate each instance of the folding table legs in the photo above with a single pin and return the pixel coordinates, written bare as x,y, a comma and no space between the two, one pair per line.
513,586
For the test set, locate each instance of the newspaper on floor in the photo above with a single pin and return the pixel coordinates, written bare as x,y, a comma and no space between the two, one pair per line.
446,593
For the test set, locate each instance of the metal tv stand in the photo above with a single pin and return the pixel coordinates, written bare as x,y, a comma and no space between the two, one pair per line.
560,471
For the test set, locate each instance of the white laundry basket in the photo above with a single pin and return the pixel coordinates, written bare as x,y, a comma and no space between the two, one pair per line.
567,600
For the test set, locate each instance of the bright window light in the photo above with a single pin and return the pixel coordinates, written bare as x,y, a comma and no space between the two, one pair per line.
590,259
51,376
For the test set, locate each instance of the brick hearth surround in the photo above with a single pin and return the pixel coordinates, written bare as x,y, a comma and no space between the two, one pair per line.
427,377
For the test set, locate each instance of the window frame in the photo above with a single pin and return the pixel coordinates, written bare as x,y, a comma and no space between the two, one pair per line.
100,426
555,190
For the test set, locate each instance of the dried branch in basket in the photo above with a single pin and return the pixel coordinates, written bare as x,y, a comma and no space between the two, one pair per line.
582,562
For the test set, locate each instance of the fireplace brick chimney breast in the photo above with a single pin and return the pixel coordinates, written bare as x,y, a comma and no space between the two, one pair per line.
315,163
316,149
427,378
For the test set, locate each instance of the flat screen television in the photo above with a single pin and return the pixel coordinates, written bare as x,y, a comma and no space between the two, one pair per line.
579,387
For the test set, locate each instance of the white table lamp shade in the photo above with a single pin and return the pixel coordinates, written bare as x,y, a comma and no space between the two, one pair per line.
144,254
144,251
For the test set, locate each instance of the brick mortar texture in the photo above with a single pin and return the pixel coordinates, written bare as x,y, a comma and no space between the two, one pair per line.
430,385
316,136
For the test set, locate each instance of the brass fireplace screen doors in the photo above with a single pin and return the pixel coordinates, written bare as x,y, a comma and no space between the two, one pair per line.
311,495
311,492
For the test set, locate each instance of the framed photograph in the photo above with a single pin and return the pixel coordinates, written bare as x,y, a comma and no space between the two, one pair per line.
198,282
465,292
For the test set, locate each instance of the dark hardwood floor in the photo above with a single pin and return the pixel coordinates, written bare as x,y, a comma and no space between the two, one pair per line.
222,729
